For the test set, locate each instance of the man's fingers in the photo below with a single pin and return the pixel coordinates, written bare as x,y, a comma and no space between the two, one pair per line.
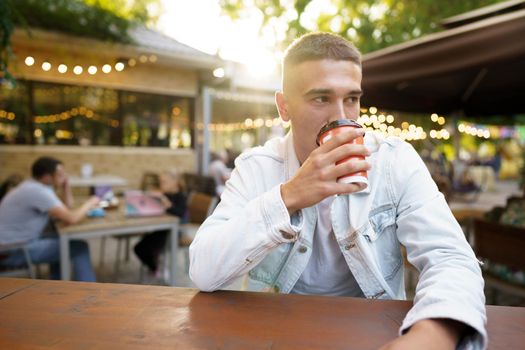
339,139
344,151
341,188
350,188
350,167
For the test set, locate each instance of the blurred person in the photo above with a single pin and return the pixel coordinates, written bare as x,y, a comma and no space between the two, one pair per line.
173,199
25,213
219,171
231,156
286,221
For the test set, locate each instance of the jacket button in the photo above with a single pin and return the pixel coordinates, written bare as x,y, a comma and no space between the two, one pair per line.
302,249
286,235
349,246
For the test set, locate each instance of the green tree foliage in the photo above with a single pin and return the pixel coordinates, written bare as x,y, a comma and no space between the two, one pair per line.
370,24
101,19
7,13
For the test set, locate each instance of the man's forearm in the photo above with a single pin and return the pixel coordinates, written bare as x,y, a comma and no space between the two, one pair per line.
66,196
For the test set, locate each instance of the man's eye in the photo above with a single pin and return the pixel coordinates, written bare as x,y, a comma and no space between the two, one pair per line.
320,99
352,99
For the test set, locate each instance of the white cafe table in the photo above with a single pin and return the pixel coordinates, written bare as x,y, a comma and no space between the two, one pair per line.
97,180
117,223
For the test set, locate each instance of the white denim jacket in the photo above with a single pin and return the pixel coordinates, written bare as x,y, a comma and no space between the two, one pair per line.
251,231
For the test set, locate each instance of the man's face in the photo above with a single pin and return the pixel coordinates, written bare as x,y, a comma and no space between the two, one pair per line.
59,175
316,92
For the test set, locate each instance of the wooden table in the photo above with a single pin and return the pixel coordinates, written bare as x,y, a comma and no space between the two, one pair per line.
466,217
75,315
116,223
462,214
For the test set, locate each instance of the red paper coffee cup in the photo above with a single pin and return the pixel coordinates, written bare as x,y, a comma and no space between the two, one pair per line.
340,126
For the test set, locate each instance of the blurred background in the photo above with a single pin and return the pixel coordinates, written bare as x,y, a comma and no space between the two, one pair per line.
130,86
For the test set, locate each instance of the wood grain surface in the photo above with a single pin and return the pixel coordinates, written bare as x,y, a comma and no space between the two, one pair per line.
75,315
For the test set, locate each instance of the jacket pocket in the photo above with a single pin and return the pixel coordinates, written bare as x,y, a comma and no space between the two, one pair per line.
382,238
268,269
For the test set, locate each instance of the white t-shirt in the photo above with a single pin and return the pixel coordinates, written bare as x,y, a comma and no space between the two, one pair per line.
24,211
327,272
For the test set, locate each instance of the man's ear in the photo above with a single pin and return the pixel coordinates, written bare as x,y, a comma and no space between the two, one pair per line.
280,101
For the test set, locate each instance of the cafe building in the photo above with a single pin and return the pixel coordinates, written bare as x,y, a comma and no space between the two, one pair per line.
126,109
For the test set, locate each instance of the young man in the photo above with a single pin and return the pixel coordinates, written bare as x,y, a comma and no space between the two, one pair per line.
25,213
286,220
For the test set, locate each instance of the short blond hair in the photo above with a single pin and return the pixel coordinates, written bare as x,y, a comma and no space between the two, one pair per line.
319,46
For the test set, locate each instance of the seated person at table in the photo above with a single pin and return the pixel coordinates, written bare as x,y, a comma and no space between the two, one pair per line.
286,221
149,247
219,170
25,213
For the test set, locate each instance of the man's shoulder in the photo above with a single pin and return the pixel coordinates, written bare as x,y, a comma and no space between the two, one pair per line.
272,150
36,191
33,186
381,144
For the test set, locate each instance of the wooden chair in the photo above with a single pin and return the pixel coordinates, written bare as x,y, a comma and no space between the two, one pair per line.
17,271
500,244
199,183
200,206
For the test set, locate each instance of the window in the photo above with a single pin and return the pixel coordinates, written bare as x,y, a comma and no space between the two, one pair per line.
154,120
47,113
75,115
15,124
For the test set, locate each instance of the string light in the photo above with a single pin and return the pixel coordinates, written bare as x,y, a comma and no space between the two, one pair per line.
119,66
486,131
78,70
62,68
92,69
7,115
73,112
29,61
377,122
46,66
218,72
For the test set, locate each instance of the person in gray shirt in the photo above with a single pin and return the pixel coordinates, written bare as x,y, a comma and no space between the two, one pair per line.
25,213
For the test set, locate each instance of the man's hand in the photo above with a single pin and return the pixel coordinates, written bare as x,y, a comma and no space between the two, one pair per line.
431,334
64,191
92,202
70,217
65,182
317,177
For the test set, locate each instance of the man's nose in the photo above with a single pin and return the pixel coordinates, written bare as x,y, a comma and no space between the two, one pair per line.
339,111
